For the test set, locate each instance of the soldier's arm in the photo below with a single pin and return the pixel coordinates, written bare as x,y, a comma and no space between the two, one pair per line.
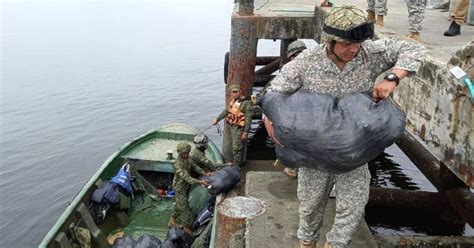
246,109
197,169
223,114
202,160
398,54
183,173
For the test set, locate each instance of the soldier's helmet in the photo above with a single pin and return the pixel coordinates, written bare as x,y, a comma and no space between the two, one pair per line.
201,141
295,47
183,147
347,23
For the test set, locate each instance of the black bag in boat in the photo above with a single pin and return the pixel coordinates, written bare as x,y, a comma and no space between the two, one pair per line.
177,238
223,179
205,214
331,134
144,241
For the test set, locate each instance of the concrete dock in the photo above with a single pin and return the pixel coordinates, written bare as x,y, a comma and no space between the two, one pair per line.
277,226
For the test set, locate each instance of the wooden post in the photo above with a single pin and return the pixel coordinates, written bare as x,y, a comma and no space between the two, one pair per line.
232,214
242,57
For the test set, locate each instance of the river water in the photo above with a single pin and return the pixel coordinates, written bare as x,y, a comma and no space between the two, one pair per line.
81,78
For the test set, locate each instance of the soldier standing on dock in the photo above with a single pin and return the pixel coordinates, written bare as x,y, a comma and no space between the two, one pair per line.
182,216
345,62
238,117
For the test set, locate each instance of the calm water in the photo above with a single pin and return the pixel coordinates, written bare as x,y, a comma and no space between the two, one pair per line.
78,80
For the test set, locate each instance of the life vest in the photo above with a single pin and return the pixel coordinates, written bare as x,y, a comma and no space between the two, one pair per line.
235,116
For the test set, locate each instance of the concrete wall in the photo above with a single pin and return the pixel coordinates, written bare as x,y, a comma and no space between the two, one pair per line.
439,111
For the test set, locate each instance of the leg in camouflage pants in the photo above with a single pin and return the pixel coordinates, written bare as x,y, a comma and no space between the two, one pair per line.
416,14
379,7
352,189
182,212
236,145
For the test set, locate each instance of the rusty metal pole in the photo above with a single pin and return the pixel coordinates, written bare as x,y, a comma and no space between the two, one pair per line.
242,57
232,215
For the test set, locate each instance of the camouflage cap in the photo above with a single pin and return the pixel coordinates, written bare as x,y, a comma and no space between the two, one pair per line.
183,147
234,87
201,139
295,47
342,18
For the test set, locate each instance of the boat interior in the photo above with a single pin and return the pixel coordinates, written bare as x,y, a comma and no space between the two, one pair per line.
147,210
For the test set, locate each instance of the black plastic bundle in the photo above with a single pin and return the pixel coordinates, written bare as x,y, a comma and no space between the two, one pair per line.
331,134
223,179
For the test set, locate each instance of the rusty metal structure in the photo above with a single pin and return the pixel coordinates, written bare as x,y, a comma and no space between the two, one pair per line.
439,138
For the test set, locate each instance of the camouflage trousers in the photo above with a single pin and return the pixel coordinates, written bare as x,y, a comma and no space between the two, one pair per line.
235,144
377,6
182,212
416,14
352,194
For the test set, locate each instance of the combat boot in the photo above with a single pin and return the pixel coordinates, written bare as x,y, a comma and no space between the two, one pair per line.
414,36
453,30
307,244
371,16
379,20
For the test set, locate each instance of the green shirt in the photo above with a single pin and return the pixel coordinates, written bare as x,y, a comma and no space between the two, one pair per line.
182,173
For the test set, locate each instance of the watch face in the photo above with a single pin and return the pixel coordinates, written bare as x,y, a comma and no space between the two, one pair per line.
391,77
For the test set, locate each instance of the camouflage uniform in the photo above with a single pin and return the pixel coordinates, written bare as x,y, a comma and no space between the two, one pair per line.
202,161
379,7
182,185
416,14
238,145
314,71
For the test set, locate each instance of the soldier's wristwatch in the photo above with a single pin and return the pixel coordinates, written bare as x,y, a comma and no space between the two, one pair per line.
392,77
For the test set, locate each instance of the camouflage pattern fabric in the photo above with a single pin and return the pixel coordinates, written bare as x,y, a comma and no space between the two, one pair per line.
342,18
236,145
352,194
202,161
314,71
182,184
416,14
377,6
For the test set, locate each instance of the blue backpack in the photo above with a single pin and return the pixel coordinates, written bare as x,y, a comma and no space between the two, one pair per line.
123,178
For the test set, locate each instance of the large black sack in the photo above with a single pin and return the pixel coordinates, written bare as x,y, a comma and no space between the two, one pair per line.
331,134
223,179
177,238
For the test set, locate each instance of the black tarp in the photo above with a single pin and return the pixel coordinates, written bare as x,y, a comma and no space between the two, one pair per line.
331,134
223,179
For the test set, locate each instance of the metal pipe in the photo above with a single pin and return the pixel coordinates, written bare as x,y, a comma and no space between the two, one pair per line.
402,198
269,69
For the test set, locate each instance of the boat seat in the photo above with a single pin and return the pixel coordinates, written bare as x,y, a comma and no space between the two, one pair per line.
98,237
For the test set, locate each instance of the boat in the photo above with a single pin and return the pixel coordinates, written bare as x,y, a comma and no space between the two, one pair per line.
150,157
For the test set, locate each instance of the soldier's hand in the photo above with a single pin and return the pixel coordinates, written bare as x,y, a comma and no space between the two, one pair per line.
383,90
271,132
204,183
214,122
244,136
209,173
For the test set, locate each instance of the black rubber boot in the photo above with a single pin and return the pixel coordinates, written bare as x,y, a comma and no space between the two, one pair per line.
453,30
